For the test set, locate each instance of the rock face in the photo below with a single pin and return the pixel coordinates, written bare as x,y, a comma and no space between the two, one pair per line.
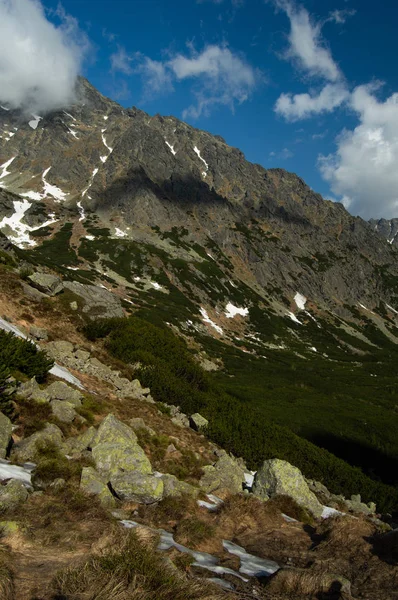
278,477
62,391
92,483
64,411
226,474
174,487
5,434
137,487
31,389
46,283
97,302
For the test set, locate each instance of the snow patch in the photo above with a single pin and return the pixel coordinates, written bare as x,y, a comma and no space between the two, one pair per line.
95,171
20,231
293,317
300,301
4,108
119,233
206,319
364,307
35,121
104,142
232,311
330,512
197,151
171,148
81,210
391,308
251,565
90,237
21,473
156,285
4,166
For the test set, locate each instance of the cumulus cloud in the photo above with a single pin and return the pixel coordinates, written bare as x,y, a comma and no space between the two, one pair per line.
306,45
302,106
39,62
121,61
341,16
363,171
219,76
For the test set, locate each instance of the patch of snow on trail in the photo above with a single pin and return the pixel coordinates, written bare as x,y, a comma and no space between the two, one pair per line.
204,173
206,319
171,147
251,565
23,473
232,311
4,166
300,301
35,121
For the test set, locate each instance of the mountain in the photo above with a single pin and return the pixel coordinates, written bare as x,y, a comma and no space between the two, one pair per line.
388,228
286,297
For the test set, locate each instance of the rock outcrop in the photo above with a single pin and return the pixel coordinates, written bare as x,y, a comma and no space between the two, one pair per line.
5,434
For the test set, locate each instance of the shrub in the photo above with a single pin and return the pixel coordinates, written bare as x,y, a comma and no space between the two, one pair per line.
22,355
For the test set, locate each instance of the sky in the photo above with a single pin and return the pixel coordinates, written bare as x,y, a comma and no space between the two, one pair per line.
310,86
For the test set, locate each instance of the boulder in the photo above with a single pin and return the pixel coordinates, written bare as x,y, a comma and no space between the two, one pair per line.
137,487
175,487
127,457
278,477
46,283
12,495
26,449
92,483
138,423
113,431
59,390
97,301
5,434
197,422
39,333
180,420
64,411
226,474
79,443
32,391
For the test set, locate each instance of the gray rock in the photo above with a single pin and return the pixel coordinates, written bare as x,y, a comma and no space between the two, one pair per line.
113,457
197,422
64,411
278,477
92,483
12,495
97,301
46,283
26,449
5,434
175,487
59,390
180,420
137,487
138,423
79,443
39,333
226,474
31,390
32,293
113,431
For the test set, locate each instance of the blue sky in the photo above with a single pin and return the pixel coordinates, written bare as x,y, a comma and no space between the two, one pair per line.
308,86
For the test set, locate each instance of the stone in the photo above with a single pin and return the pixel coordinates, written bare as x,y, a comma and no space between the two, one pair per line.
137,487
197,422
79,443
113,431
59,390
138,423
32,391
226,474
12,494
279,478
82,355
97,301
5,434
39,333
180,420
92,483
46,283
32,293
112,458
26,449
175,487
64,411
59,348
74,305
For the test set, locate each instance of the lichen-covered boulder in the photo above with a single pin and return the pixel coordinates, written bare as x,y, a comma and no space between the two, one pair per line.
5,434
32,391
278,477
126,457
137,487
63,411
26,450
226,474
175,487
92,483
113,431
79,443
96,301
59,390
12,494
46,283
197,422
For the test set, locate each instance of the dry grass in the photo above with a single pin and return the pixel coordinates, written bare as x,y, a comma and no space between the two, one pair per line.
7,590
242,513
300,583
130,570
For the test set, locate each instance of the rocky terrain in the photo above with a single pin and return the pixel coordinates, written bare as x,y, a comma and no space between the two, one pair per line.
106,494
215,412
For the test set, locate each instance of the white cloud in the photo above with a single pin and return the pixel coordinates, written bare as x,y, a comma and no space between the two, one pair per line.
306,45
219,76
284,154
39,62
363,172
302,106
121,61
341,16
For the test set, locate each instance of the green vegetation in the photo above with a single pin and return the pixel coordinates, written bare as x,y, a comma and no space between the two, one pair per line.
21,355
55,252
174,377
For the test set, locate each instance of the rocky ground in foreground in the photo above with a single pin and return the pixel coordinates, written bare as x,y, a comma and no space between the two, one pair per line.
106,494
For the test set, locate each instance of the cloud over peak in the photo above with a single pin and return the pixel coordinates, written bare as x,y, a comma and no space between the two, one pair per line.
39,62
